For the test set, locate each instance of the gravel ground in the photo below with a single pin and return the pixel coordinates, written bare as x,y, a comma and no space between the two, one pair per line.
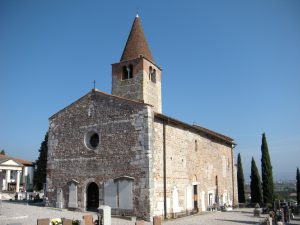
27,215
13,213
238,216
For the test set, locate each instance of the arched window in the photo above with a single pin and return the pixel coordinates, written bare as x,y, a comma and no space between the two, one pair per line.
152,74
127,72
130,72
124,73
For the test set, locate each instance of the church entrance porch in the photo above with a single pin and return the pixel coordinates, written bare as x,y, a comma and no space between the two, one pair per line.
10,175
92,203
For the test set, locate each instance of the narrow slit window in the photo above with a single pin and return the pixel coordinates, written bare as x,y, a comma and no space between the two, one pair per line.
152,74
124,73
130,72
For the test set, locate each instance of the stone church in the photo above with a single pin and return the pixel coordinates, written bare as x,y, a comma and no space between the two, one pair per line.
120,150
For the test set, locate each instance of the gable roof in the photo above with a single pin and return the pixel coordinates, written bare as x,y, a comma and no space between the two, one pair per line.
196,128
96,91
4,158
136,44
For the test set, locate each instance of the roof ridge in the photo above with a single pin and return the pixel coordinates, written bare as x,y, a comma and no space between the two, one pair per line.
122,98
21,161
197,127
101,92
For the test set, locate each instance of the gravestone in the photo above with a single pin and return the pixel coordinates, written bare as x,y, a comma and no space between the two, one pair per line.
59,198
43,221
105,214
73,194
270,220
175,201
110,193
156,220
125,194
140,222
88,219
66,222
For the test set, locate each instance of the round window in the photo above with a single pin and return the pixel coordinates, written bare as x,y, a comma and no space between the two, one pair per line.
92,140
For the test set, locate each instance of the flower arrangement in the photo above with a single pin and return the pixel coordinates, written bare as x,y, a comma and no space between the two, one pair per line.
75,222
56,221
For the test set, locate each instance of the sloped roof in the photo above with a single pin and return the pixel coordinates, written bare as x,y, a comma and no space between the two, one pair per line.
196,128
4,158
136,44
96,91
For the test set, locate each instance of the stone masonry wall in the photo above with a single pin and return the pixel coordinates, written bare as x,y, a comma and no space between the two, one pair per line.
191,159
129,88
151,90
124,128
140,87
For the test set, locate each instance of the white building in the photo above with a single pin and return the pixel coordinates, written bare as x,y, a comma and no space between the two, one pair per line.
15,174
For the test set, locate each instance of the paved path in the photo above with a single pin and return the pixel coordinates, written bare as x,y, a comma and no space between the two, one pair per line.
27,215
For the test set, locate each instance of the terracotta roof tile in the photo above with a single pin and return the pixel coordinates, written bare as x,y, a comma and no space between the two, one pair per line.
24,162
211,133
136,44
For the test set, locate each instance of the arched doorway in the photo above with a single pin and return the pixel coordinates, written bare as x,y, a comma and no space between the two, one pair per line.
92,203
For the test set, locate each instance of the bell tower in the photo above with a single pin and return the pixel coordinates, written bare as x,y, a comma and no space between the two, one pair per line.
136,76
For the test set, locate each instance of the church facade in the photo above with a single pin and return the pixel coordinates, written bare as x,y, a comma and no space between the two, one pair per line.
120,150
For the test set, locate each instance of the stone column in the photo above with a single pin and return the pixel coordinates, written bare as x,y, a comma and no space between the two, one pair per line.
7,179
18,181
1,181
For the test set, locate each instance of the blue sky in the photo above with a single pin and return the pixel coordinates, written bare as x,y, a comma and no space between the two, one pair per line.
230,66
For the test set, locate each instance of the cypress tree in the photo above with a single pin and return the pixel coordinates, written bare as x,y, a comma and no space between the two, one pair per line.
2,152
266,172
240,180
41,165
255,184
298,186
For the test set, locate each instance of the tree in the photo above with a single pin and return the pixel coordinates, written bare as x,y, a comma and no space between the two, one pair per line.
2,152
298,186
27,183
266,172
240,180
41,165
255,184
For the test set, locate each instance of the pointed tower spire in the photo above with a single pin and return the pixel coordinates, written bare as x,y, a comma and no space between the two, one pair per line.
136,44
136,76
